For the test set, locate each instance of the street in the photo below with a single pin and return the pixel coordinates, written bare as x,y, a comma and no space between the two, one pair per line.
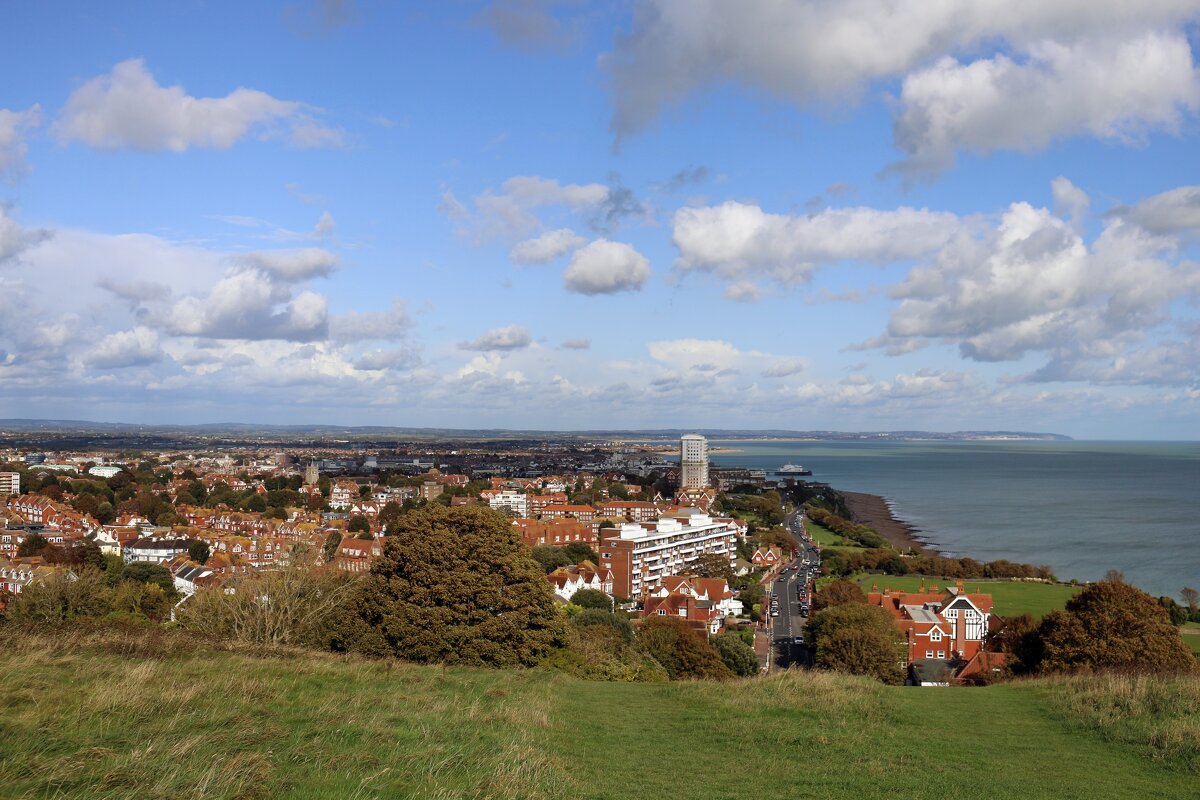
789,624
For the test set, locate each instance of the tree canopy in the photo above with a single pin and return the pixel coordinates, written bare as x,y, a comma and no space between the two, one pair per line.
838,593
455,585
858,639
682,651
1116,626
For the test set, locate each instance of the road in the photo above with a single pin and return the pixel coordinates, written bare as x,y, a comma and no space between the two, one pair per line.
790,622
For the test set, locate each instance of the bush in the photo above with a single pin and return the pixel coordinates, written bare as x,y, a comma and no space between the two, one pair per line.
61,596
592,598
294,606
838,593
682,651
736,654
859,640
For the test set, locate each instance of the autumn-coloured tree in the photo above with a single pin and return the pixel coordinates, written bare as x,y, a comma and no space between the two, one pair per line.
682,651
1112,625
712,565
838,593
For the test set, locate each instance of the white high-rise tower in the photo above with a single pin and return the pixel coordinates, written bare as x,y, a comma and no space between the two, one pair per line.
693,461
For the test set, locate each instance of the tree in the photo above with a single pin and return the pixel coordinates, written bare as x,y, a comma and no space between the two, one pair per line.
255,503
1112,625
1018,638
455,585
1176,613
32,545
1190,598
838,593
143,572
858,639
359,524
682,651
579,551
713,565
77,554
550,557
199,551
1114,575
332,542
602,617
105,513
736,654
390,514
592,598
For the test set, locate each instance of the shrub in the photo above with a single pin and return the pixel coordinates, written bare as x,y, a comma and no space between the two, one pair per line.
736,654
682,651
859,640
592,598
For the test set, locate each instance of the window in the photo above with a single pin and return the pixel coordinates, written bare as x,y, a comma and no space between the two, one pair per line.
936,636
929,654
662,612
941,653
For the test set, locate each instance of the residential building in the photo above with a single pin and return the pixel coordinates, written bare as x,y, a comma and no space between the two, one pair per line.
581,513
154,551
515,504
104,470
944,631
693,461
354,555
629,509
554,532
640,554
431,490
702,602
10,483
767,557
584,575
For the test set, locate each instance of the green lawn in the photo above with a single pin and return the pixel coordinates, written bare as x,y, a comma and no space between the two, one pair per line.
827,539
1191,635
1009,597
101,721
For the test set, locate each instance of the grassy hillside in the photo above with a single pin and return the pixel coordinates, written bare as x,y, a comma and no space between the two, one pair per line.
1009,597
120,717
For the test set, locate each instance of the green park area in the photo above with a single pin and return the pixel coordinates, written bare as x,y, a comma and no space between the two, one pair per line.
1009,598
146,718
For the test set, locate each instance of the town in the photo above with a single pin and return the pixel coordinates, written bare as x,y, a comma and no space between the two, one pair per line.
653,536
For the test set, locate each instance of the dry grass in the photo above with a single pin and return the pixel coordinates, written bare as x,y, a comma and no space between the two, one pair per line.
1160,714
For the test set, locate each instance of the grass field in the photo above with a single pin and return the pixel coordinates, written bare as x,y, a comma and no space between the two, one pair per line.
1191,635
828,539
101,719
1009,597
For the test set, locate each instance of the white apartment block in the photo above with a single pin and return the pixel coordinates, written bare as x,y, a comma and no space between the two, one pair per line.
10,483
640,554
511,502
693,461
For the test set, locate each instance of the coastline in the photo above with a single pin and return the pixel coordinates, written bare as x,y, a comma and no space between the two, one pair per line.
874,511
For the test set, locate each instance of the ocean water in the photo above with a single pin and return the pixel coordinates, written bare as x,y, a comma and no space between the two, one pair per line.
1081,507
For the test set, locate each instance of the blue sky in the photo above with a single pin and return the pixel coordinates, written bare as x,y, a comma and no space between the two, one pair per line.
564,214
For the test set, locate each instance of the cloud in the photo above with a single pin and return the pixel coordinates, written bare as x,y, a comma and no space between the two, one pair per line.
606,267
13,126
398,360
784,368
1118,90
128,109
513,337
1171,212
1070,202
687,176
325,226
449,206
250,305
292,265
526,24
547,247
743,292
619,203
1031,285
510,212
577,344
134,348
740,241
354,326
13,238
136,292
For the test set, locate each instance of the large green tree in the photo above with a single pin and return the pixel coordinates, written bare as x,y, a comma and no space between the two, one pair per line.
455,585
858,639
736,654
1112,625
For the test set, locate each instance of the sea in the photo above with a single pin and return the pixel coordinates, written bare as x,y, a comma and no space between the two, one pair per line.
1082,507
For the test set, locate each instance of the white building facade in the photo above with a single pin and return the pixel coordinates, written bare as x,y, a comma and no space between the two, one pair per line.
693,461
513,503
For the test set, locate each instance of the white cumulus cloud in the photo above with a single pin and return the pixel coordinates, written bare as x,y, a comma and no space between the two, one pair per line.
133,348
512,337
128,108
13,126
547,247
606,267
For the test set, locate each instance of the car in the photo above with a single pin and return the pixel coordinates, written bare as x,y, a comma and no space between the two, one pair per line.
798,640
775,612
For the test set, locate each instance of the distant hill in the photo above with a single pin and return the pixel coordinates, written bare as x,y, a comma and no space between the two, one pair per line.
244,429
